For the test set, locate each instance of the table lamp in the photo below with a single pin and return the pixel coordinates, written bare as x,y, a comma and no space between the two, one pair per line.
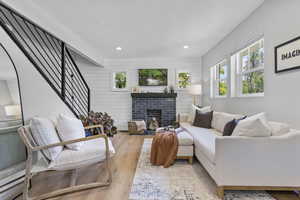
195,90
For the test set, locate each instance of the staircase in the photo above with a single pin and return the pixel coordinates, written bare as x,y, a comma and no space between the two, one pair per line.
51,57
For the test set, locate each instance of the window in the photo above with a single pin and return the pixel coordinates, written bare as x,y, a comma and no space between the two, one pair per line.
119,81
248,70
183,79
219,82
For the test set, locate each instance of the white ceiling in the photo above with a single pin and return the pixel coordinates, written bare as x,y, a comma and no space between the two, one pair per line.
150,28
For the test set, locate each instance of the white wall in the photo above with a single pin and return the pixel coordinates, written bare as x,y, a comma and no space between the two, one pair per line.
5,98
38,98
278,21
118,104
14,90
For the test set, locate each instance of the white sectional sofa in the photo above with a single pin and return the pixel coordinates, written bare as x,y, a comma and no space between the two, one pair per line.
248,163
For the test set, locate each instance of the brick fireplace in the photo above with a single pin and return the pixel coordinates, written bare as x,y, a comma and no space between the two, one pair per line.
159,105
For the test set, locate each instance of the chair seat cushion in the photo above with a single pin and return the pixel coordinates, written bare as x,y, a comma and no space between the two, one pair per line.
185,139
91,152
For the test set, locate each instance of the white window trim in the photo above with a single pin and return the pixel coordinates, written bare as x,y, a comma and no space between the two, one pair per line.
214,83
126,89
177,80
236,76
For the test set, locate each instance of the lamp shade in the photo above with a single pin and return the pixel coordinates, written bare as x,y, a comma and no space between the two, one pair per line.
13,110
195,89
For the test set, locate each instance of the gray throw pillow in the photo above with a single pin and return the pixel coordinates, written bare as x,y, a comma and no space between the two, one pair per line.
203,120
230,126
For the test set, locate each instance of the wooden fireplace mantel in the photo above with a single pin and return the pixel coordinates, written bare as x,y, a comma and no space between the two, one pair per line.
153,95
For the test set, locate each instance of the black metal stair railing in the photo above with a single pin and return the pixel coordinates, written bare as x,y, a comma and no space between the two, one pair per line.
51,57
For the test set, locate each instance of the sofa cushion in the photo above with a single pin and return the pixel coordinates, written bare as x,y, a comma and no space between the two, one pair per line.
92,151
203,120
258,122
192,114
70,129
220,119
185,139
255,128
279,128
44,133
204,139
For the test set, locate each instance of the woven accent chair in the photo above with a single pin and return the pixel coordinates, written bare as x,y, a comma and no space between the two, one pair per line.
104,150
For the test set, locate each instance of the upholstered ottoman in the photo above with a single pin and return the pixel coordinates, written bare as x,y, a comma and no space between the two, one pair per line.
186,146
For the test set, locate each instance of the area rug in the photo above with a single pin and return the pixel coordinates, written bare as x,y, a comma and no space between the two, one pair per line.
181,181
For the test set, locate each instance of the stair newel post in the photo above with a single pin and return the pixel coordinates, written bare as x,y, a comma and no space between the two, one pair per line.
63,70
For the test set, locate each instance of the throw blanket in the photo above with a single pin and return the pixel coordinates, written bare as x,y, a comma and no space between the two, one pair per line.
164,149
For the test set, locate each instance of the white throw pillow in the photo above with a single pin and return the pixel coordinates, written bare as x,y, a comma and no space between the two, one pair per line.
193,112
220,119
258,123
44,133
70,129
279,128
255,128
215,118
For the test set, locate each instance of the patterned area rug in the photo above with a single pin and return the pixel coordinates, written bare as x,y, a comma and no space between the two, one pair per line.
181,181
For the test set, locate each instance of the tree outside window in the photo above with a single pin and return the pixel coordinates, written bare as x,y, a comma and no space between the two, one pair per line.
219,82
250,69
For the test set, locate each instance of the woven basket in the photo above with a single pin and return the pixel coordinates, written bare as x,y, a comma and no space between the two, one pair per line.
132,128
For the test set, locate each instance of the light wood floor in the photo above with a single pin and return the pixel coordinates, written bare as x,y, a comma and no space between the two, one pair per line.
123,168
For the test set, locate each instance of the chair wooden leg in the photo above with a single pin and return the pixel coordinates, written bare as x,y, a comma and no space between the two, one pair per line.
220,192
74,177
109,172
191,160
27,181
76,188
68,190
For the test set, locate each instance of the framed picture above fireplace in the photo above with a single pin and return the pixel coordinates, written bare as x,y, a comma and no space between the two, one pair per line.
153,77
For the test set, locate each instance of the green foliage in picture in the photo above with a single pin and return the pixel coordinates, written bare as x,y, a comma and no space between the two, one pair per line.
153,77
184,80
120,80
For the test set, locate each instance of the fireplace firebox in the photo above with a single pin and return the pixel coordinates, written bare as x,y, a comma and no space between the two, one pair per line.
159,105
156,113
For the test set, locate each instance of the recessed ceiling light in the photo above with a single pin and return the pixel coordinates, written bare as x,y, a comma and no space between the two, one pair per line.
186,46
119,48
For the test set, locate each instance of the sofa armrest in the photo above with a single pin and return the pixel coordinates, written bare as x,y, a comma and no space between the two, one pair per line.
265,161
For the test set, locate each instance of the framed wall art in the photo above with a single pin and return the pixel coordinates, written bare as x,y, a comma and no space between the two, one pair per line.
287,56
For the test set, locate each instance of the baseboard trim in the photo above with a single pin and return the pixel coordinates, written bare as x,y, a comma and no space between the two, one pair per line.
221,189
271,188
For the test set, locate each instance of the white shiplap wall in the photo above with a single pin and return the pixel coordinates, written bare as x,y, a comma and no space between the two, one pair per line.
118,104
